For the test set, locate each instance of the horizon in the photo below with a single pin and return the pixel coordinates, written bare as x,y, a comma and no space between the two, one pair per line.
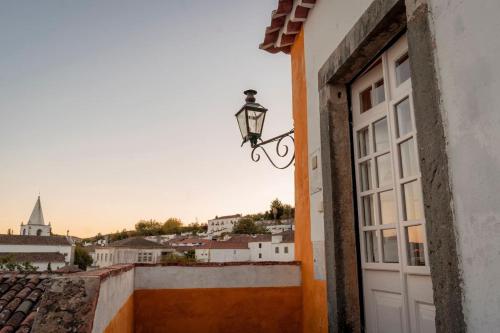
132,117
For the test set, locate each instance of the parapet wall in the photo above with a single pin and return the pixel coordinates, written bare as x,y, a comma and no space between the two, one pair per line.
211,298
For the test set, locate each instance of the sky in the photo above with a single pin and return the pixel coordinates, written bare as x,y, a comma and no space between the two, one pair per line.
119,110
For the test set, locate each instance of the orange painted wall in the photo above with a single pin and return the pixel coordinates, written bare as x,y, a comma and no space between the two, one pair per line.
314,291
123,322
225,310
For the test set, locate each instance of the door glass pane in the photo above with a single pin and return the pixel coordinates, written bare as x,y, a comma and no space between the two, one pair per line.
390,246
368,212
387,207
381,135
371,246
379,92
363,142
403,117
384,170
409,166
365,98
402,69
365,175
412,201
415,245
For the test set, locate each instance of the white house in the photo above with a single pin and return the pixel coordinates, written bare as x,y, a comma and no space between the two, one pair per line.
222,224
223,252
277,247
130,250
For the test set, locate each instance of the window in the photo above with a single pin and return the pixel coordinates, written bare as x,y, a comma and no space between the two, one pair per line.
260,255
106,257
111,257
150,257
276,250
286,249
260,245
402,69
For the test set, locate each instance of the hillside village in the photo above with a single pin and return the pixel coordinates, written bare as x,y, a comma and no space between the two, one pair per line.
231,238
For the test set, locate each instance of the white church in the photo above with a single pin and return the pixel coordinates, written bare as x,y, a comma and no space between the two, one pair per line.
36,225
36,245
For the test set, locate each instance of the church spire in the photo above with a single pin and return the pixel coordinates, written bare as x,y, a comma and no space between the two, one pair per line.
36,217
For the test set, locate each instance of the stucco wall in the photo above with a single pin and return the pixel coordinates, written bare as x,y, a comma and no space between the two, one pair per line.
314,311
219,310
114,293
326,26
66,250
468,50
237,276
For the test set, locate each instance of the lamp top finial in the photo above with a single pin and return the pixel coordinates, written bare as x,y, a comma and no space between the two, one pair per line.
250,95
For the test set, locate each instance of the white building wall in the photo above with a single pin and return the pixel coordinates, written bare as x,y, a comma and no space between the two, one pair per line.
468,53
110,256
66,250
43,266
32,229
229,255
326,26
114,291
264,250
218,226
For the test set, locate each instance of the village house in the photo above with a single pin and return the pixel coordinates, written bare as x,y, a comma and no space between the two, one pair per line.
222,224
130,250
396,170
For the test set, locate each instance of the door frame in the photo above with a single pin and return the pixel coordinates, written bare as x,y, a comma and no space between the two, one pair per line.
381,24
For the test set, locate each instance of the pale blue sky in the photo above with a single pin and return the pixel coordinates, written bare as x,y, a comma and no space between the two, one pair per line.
121,110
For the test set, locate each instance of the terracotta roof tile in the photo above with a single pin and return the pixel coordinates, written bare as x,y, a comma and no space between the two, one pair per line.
286,22
20,295
34,256
34,240
135,242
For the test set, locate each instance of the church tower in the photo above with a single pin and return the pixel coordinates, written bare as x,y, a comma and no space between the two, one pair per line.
36,225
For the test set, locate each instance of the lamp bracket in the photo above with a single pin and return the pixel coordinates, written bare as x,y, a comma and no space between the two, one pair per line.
282,149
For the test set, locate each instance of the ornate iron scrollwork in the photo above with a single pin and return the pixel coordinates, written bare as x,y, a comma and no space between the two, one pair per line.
282,149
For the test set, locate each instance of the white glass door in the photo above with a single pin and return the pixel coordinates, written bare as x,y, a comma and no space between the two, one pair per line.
396,278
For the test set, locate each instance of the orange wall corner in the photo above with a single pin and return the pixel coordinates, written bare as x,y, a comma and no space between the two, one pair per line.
313,291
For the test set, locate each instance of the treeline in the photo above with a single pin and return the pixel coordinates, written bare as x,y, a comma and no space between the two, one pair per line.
277,211
153,228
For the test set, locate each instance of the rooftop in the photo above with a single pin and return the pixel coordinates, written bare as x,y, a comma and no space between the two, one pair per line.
20,297
33,257
134,242
33,240
286,22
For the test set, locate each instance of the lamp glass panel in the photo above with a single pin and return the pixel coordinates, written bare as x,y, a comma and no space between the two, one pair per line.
241,117
255,121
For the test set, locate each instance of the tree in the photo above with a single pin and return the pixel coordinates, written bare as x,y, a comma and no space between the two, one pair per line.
148,228
82,258
277,209
172,225
49,268
247,226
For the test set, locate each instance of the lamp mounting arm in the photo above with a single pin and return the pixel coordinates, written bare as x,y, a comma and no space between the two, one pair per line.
282,149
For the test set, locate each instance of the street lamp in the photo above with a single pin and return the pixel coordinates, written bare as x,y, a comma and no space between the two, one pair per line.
250,120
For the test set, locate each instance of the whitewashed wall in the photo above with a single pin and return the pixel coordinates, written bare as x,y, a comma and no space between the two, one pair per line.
324,29
113,293
66,250
229,255
468,53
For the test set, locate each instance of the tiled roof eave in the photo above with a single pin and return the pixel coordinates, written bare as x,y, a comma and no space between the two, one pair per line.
286,22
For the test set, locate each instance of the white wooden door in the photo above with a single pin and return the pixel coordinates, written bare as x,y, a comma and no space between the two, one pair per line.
396,278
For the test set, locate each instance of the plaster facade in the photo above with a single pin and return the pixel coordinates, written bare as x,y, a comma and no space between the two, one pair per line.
467,52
